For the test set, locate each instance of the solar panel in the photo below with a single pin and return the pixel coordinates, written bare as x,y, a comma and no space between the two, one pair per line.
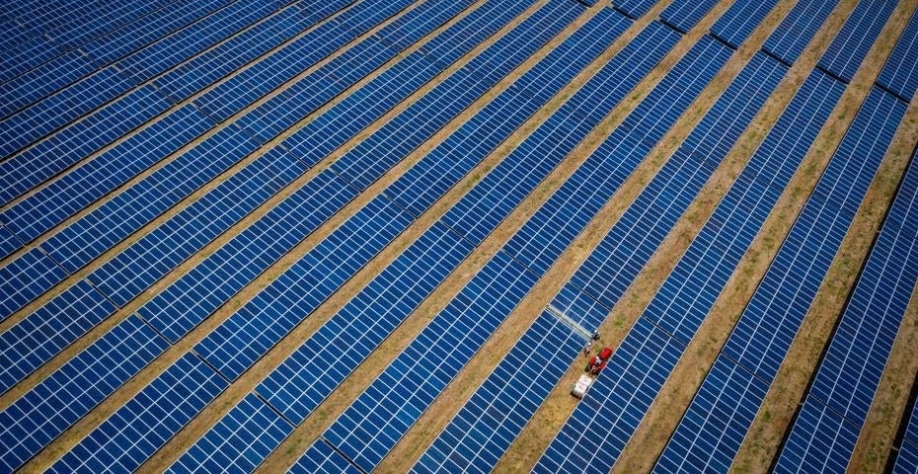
139,428
76,142
483,429
41,211
605,420
8,242
70,392
320,458
740,20
23,279
793,34
683,16
900,74
43,81
240,441
607,272
44,333
102,228
853,41
907,458
634,8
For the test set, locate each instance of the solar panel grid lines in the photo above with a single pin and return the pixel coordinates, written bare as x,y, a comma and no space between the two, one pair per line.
36,122
26,277
612,265
900,74
759,79
40,415
9,243
907,457
155,254
48,330
106,225
61,72
115,17
850,46
789,39
634,8
195,295
321,458
763,335
629,144
687,294
490,420
231,446
78,141
740,20
531,39
64,197
201,42
365,432
685,15
127,438
281,65
493,306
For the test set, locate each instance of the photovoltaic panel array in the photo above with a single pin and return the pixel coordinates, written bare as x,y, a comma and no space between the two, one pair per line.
498,68
595,435
900,75
800,25
65,396
907,458
129,436
381,415
684,15
238,442
634,8
478,437
439,250
740,20
713,428
854,40
161,251
826,429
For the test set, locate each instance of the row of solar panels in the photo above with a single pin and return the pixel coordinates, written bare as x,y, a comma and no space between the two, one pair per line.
234,367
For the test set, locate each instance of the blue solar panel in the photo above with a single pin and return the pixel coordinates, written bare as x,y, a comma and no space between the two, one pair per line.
8,242
686,14
596,433
23,279
44,333
849,374
900,74
483,429
320,458
65,396
794,33
66,196
38,83
239,442
634,8
907,459
39,163
143,425
853,41
136,268
186,44
740,20
818,429
267,74
99,230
